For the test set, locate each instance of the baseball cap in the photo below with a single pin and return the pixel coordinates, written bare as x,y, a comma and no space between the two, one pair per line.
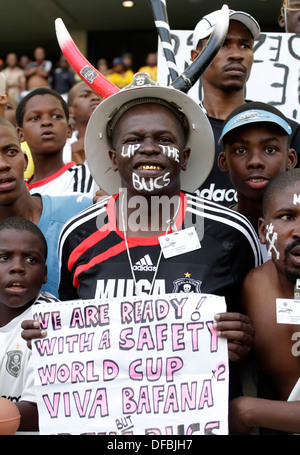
117,61
199,136
206,25
254,112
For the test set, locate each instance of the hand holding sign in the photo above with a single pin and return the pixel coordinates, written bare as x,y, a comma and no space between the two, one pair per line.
113,367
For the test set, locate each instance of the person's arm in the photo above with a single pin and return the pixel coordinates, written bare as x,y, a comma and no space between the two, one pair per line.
29,416
30,71
248,413
42,72
22,83
235,325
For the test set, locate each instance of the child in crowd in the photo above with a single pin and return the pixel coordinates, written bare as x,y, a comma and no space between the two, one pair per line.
43,122
49,213
256,138
23,270
82,101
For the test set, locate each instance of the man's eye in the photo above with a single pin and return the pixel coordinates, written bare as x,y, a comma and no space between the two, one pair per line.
132,140
30,260
11,152
270,149
4,257
286,217
240,150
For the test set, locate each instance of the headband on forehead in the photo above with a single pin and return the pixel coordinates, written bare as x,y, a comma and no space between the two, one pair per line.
146,100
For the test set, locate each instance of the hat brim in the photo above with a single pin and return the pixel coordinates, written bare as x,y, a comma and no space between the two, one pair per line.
207,24
200,138
247,20
248,117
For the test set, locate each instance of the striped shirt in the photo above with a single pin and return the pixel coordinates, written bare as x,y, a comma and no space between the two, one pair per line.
71,178
94,260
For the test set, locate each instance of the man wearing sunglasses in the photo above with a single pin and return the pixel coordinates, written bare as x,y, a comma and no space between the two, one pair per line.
289,18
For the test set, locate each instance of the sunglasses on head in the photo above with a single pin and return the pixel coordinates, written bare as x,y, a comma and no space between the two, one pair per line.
290,6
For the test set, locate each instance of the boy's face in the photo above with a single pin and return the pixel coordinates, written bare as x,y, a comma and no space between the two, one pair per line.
253,155
280,231
22,269
45,127
84,103
12,166
149,151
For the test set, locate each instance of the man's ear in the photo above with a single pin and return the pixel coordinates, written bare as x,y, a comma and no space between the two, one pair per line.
113,157
292,159
70,130
194,54
3,98
186,155
222,162
281,21
71,112
262,230
25,161
21,133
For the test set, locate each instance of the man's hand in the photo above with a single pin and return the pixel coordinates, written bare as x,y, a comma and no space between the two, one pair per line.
78,153
238,330
32,330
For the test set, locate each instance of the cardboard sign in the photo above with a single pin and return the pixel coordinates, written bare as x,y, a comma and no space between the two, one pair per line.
150,365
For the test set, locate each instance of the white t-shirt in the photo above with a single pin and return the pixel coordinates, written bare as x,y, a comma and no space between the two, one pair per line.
16,367
71,178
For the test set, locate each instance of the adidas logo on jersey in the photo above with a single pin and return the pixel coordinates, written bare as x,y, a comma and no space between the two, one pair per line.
144,265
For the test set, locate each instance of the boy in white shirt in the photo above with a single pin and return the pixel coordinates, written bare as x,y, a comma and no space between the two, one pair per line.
23,270
43,122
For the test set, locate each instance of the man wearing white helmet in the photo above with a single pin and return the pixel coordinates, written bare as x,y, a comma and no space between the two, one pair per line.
223,89
148,144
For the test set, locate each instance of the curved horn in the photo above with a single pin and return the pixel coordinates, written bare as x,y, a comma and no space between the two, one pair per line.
192,73
80,65
161,21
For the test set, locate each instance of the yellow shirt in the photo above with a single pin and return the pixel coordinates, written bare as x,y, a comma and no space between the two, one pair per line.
30,167
152,70
121,80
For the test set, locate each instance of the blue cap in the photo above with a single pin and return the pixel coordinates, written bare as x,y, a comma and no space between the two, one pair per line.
254,116
117,61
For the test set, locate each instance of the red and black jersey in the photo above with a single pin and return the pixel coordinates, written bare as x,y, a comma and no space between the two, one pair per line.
94,260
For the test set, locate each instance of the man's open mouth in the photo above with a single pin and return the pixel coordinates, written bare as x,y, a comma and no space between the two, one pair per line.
6,182
149,167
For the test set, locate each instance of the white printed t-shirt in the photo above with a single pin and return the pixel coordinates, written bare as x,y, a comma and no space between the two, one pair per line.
71,178
16,369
